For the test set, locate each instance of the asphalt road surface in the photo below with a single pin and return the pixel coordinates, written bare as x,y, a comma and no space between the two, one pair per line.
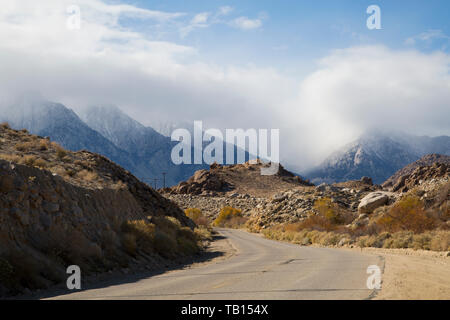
259,269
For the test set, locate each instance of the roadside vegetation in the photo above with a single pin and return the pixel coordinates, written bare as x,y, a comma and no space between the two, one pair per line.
230,217
203,230
406,224
120,247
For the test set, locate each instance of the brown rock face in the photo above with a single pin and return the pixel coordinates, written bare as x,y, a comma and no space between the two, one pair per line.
241,179
420,174
398,181
59,208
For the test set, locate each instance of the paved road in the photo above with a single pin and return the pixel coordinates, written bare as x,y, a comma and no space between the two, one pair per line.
260,269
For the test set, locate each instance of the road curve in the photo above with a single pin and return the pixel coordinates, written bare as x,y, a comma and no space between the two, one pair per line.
260,269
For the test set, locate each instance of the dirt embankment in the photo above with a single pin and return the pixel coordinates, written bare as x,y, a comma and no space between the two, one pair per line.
413,274
61,208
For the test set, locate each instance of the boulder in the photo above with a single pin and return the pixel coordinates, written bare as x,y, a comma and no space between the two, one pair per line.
367,180
279,197
373,200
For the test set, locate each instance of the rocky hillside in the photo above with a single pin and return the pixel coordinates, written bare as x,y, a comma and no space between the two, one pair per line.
422,169
59,208
238,179
356,202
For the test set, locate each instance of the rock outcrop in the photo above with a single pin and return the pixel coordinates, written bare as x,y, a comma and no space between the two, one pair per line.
240,179
428,167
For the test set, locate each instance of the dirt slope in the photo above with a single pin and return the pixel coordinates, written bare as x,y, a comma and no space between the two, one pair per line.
59,208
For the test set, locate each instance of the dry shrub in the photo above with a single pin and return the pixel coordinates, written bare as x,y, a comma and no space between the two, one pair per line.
164,244
165,235
440,241
141,232
29,160
43,144
329,210
400,240
120,185
203,234
230,217
40,163
24,146
407,214
60,151
5,125
87,175
197,216
317,222
11,157
129,243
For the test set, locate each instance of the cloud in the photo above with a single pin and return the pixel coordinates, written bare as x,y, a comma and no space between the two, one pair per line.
200,20
225,10
157,81
245,23
107,63
427,36
361,88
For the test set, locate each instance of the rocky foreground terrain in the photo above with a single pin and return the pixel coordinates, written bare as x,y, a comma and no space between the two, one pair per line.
277,202
59,208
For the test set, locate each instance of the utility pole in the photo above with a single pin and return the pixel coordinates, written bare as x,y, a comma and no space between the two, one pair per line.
164,179
155,180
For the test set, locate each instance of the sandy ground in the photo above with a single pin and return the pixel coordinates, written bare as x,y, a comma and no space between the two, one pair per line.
410,274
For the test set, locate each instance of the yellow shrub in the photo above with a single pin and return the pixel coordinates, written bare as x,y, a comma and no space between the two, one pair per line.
197,216
229,217
328,210
407,214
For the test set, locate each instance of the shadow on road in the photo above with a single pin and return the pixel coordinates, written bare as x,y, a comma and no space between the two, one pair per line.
118,277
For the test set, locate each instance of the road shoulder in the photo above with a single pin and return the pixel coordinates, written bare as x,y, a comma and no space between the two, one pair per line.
413,274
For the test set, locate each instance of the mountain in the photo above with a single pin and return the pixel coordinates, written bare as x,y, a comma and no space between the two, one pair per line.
377,155
397,180
54,120
105,130
148,149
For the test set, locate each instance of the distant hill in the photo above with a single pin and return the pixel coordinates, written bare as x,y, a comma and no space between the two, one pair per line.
376,155
240,179
397,181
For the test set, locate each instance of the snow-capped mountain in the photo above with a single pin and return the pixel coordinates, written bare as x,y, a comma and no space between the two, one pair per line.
377,155
54,120
150,150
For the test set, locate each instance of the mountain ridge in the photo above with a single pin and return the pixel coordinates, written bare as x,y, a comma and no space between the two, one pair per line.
376,155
